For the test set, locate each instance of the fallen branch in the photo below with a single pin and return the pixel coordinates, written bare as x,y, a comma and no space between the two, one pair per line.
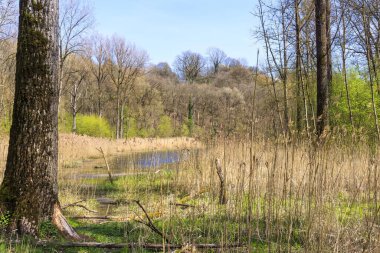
108,167
73,204
109,218
148,246
150,223
182,205
91,217
84,207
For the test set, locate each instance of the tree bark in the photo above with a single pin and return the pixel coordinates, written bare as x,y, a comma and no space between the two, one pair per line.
29,191
323,65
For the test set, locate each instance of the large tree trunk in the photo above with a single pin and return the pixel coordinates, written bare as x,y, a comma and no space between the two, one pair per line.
29,191
323,65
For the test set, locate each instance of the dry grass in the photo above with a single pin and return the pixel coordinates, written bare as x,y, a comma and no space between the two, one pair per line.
282,196
76,147
73,147
324,199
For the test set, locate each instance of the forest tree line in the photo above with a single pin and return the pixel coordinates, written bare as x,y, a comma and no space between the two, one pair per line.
109,88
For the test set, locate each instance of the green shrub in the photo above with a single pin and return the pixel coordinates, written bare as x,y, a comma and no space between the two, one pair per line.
4,220
361,104
185,129
165,127
90,125
131,129
93,126
146,132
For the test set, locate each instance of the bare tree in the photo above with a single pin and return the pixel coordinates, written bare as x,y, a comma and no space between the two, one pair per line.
343,46
189,66
7,74
8,29
216,57
8,19
77,80
76,19
98,55
125,64
273,63
29,191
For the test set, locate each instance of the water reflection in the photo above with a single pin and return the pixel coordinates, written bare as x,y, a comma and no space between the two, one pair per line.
147,160
130,164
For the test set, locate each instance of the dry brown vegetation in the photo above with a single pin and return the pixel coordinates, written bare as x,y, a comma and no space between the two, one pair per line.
73,147
281,196
76,147
288,195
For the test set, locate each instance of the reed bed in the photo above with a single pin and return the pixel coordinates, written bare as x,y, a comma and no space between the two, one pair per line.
282,196
293,195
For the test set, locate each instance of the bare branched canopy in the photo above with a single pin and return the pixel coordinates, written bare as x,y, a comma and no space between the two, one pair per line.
189,66
216,57
8,19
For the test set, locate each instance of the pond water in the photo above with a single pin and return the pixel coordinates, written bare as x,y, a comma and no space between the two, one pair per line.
122,165
129,164
148,160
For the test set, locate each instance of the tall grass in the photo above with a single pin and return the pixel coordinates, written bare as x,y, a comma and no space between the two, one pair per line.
282,197
294,194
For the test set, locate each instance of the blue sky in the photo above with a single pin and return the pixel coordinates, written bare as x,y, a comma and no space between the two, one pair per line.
165,28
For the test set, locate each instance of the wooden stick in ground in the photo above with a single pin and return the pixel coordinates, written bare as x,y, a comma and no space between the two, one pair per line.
222,190
150,223
108,167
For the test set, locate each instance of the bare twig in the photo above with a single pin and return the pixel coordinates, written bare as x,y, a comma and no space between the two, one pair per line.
82,206
150,223
73,204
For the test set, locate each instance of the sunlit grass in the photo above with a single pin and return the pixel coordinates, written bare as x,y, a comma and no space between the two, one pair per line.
287,197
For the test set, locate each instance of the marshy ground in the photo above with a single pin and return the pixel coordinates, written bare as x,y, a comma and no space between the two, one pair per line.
281,197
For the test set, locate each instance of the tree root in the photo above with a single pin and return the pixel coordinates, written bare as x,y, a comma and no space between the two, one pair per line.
62,225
